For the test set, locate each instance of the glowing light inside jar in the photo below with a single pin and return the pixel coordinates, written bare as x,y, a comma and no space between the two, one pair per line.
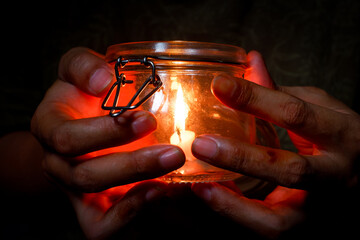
182,137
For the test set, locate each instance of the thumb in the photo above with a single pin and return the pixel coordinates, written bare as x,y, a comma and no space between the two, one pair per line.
257,71
85,69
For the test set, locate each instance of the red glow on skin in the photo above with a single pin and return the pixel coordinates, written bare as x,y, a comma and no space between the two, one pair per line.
107,198
78,105
257,71
133,146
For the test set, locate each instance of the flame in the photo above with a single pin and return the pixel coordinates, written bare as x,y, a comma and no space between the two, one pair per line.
181,111
182,137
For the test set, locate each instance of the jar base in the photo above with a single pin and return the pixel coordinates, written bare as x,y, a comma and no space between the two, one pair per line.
200,177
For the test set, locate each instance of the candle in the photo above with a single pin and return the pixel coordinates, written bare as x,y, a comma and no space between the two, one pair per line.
182,137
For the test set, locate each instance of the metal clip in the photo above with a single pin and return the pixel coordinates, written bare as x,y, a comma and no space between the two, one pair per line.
121,82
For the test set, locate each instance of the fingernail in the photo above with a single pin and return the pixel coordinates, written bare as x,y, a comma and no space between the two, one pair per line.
172,159
204,147
203,190
144,124
223,85
154,194
99,80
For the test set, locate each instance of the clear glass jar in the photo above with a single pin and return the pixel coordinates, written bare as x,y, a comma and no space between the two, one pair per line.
184,104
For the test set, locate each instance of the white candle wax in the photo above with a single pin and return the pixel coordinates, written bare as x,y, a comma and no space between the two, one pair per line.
184,140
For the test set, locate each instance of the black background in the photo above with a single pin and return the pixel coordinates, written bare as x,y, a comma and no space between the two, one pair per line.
303,42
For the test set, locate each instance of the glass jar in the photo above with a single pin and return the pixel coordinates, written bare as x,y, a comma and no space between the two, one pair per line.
178,76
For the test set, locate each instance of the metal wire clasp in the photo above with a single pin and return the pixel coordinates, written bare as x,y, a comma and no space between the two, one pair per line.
121,81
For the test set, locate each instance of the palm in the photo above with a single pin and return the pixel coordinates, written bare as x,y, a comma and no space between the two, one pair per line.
104,213
93,209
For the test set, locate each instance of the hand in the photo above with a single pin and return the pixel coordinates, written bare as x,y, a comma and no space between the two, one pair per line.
78,140
319,127
326,132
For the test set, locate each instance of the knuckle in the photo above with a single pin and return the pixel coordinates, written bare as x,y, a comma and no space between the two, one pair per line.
61,140
276,227
138,164
82,178
295,113
244,96
37,127
72,54
297,174
225,208
72,62
239,161
130,207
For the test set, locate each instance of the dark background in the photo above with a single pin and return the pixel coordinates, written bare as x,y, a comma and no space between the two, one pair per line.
303,43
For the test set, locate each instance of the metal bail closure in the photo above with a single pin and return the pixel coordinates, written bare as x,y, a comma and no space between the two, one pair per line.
121,81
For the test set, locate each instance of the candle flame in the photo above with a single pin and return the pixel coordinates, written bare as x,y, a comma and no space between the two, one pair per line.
181,137
181,111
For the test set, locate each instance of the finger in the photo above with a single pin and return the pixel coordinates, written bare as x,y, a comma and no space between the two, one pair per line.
97,225
248,213
282,167
253,214
80,136
305,119
317,96
115,169
290,197
85,69
132,203
257,71
321,98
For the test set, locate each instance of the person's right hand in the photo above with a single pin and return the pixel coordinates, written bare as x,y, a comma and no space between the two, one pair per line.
69,124
324,130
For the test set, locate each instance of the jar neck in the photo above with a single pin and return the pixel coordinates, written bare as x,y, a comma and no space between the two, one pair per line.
178,50
165,63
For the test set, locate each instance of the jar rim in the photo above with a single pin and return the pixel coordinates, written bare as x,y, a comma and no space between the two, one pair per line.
178,50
